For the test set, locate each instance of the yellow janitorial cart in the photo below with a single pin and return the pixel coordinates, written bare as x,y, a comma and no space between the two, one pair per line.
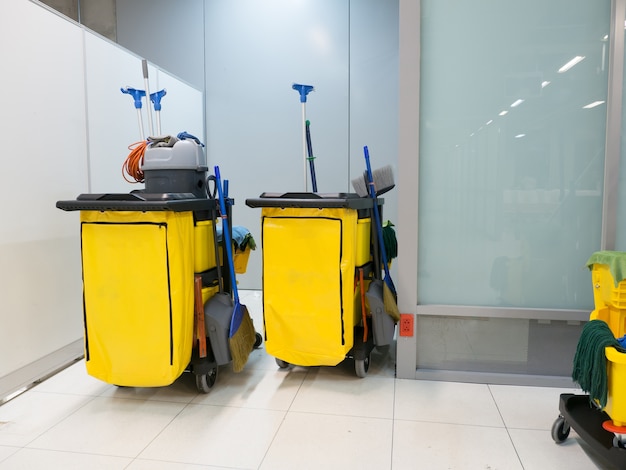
155,302
317,261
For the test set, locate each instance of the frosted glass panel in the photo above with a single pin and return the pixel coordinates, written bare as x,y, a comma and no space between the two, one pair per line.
496,345
511,151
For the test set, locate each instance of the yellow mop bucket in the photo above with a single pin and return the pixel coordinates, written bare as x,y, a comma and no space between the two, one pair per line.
608,270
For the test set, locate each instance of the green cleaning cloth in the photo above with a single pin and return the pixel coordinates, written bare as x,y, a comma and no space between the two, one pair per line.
615,260
390,241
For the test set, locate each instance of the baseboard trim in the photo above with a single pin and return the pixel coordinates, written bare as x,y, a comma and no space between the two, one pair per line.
495,378
25,378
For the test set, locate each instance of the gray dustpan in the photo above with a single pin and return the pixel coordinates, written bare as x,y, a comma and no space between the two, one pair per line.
382,323
217,314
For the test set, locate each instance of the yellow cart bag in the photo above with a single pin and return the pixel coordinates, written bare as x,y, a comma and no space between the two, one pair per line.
138,287
309,260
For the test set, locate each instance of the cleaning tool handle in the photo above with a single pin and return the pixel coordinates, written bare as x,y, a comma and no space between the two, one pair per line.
303,90
156,98
372,191
136,94
211,190
144,67
309,147
226,232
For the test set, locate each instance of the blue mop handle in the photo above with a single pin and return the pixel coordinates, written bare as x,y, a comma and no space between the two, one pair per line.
381,243
226,233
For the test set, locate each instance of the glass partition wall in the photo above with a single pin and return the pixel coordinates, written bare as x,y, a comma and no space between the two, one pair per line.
514,142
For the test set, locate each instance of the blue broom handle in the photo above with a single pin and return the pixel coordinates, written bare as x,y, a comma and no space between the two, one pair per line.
372,190
226,233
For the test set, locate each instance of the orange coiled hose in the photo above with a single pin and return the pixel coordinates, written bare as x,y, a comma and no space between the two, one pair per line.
132,164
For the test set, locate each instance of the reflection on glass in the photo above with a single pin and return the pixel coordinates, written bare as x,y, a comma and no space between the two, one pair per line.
510,212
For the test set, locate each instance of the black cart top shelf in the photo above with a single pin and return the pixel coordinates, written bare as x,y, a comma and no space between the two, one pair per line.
312,200
138,201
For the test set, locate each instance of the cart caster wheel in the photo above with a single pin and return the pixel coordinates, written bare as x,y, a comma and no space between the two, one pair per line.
361,366
282,364
205,382
617,442
560,430
258,340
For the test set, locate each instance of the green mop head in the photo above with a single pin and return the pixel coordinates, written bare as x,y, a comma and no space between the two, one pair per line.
590,361
390,240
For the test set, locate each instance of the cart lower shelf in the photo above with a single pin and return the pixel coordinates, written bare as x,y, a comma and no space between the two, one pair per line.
577,412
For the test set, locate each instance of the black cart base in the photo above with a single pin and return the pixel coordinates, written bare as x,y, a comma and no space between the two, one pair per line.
578,412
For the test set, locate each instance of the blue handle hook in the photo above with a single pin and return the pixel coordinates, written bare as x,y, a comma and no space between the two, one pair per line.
303,90
156,98
136,94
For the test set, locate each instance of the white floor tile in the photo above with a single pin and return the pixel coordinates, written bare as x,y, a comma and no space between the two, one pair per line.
267,418
74,380
327,392
436,446
538,451
315,441
142,464
253,388
29,415
110,426
183,390
528,407
32,459
216,435
446,402
259,359
6,451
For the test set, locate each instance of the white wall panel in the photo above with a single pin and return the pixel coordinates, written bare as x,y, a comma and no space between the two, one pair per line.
255,51
112,117
66,128
43,160
182,107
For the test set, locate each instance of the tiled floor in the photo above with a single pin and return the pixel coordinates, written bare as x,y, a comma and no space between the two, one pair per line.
272,419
